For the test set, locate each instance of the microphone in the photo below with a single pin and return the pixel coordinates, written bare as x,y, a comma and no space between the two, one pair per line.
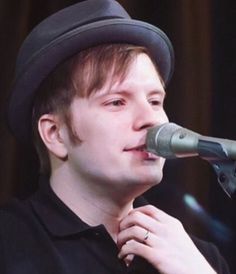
170,141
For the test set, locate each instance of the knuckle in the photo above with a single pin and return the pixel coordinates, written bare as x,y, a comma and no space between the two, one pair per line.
136,247
133,230
136,216
151,208
177,222
119,238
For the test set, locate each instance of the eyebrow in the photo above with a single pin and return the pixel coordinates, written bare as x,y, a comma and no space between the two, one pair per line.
118,91
158,92
126,92
130,94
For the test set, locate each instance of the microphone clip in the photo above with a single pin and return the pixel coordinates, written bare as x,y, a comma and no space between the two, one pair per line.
224,167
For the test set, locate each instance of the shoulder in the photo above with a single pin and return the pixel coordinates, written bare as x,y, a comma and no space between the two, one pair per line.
212,254
14,207
15,216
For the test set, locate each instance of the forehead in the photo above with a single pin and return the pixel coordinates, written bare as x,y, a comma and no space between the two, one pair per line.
105,65
141,73
142,65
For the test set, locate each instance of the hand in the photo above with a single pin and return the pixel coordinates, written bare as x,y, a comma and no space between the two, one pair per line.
160,239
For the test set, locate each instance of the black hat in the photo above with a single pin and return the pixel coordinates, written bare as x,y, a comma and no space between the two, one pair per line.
63,34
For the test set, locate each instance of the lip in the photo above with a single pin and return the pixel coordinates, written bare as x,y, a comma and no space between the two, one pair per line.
141,151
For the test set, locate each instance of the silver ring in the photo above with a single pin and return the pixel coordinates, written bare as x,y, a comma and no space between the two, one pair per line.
146,235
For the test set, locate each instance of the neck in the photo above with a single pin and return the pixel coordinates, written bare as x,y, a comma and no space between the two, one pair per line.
92,206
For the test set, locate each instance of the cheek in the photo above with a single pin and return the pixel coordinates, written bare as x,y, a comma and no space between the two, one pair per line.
86,125
101,131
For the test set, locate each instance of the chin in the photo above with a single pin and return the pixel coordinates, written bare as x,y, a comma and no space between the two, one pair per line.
151,175
137,187
148,179
151,182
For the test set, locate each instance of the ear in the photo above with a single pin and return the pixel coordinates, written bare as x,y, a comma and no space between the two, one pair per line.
50,129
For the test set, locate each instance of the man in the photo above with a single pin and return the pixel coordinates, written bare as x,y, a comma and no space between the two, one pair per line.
89,84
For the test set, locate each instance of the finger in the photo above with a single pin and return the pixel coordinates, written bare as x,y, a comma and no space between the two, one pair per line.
137,218
142,220
158,215
136,233
128,259
153,212
139,249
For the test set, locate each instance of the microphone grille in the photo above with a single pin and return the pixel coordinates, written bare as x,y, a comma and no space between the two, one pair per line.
159,139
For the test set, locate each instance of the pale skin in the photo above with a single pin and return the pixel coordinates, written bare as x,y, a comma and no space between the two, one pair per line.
112,125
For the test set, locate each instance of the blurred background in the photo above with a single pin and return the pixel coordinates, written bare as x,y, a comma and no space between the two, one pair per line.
201,97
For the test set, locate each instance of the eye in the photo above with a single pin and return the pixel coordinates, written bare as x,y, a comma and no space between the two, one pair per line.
155,102
115,102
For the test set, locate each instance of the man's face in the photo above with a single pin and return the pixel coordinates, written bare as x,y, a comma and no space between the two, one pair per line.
112,125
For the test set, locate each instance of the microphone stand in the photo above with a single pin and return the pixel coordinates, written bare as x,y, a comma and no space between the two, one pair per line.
224,167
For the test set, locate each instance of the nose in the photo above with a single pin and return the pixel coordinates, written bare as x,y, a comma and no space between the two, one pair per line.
147,117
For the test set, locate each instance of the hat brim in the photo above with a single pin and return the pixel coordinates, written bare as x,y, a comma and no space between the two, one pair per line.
45,60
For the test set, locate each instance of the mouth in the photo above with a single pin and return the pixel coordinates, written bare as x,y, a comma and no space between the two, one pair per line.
141,151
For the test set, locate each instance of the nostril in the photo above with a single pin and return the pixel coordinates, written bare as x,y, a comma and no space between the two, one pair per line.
147,126
146,117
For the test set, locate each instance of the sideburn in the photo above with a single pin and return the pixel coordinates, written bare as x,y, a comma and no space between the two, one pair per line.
73,136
